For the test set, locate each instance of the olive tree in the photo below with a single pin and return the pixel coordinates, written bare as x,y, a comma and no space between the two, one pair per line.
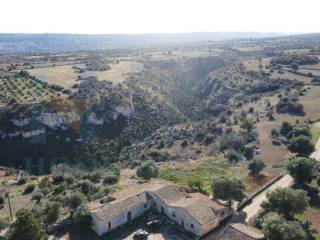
148,170
286,201
256,166
27,227
280,229
228,188
301,169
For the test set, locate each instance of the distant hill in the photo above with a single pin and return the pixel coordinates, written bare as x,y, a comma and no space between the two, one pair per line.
72,42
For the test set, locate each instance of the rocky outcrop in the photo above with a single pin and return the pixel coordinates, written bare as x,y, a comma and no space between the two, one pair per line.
54,120
23,134
21,122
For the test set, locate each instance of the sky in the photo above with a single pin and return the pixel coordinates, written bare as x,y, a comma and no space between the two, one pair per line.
158,16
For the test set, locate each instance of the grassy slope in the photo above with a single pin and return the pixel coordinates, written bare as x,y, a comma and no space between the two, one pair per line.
205,169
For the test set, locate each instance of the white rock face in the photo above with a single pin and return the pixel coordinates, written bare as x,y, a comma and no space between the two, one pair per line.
57,119
124,110
92,119
25,134
21,122
33,133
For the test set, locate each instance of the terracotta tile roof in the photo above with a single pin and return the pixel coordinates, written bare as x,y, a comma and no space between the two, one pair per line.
136,189
126,193
168,194
112,209
240,232
213,203
198,210
127,199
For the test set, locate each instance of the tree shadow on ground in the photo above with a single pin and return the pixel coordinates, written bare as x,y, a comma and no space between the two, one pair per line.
312,192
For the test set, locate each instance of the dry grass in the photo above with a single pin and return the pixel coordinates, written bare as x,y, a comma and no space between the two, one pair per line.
67,77
18,200
273,156
248,48
118,73
60,75
276,156
312,215
253,65
254,183
179,54
297,51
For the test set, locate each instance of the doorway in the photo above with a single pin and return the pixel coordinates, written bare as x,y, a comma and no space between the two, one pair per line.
129,217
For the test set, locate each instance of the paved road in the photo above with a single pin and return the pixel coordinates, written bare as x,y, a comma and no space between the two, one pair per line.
316,153
253,209
286,181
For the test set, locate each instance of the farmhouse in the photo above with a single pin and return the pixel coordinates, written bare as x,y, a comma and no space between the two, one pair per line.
195,213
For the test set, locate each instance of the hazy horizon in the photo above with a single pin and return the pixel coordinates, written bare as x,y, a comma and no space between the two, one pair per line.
146,16
154,33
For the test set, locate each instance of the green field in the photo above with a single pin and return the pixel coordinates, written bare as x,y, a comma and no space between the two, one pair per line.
203,171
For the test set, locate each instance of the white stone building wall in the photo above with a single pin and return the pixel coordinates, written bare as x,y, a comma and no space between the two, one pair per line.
181,216
101,226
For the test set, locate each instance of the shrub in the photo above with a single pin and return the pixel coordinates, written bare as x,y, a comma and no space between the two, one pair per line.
27,227
233,156
301,145
301,169
256,166
95,177
82,218
286,128
290,105
4,222
86,187
275,132
286,202
248,151
316,80
111,178
45,182
52,212
75,200
37,195
228,188
301,130
57,179
60,188
135,164
232,142
23,180
280,229
115,169
69,179
45,190
148,170
318,180
276,142
29,189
